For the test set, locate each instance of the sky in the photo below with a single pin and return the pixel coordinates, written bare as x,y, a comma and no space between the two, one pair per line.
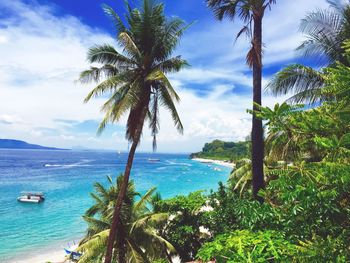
43,47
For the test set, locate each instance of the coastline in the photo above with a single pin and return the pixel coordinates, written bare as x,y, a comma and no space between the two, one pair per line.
218,162
53,255
47,251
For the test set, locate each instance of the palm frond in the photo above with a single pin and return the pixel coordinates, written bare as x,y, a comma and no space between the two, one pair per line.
115,18
136,253
147,219
107,54
94,248
172,65
167,102
159,76
154,118
324,34
129,46
95,74
222,8
142,203
299,79
110,85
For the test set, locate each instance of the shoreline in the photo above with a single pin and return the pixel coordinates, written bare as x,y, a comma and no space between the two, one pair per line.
54,252
218,162
53,255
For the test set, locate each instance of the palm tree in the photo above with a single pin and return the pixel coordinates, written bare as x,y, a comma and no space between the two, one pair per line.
252,13
135,79
325,31
139,241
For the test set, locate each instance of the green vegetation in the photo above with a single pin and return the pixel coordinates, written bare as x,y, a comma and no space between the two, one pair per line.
135,80
183,231
326,32
251,12
247,246
303,212
220,150
138,240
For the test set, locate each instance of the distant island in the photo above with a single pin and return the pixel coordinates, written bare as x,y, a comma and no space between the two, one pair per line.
17,144
225,151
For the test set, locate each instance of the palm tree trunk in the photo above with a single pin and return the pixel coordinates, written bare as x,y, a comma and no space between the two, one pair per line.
257,128
121,245
122,192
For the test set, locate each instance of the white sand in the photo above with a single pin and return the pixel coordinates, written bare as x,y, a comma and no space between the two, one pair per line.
222,163
53,256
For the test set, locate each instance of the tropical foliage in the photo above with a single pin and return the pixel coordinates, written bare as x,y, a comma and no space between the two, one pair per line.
325,31
251,12
183,229
220,150
306,200
246,246
134,79
305,213
139,241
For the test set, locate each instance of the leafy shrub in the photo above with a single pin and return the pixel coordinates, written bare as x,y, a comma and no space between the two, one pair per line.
326,250
308,200
222,218
183,230
247,246
224,150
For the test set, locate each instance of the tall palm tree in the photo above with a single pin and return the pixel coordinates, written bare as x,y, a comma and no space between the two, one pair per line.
135,79
252,13
139,241
325,31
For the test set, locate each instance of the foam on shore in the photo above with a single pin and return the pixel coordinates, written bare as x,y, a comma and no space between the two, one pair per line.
222,163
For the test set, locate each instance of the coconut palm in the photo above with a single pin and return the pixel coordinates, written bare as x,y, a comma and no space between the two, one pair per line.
325,31
138,240
252,13
282,142
242,175
135,79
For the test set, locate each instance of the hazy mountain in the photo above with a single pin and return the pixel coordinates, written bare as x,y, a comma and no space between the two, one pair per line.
16,144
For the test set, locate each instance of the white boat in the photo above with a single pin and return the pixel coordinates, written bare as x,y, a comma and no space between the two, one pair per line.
153,160
71,251
31,197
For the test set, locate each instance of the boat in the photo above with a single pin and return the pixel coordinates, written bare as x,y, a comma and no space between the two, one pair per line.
153,160
31,197
71,252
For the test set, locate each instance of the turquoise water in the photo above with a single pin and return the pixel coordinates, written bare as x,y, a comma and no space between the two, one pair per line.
67,178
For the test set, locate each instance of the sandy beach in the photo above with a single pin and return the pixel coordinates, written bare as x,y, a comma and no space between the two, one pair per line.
223,163
52,256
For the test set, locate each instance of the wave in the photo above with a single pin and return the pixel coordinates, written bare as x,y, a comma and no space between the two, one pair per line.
52,165
175,163
78,164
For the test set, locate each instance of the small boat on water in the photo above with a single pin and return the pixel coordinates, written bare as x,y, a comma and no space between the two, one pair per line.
71,252
153,160
31,197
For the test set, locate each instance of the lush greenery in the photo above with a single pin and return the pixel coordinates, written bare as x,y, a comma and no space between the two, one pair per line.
303,214
183,230
139,240
247,246
220,150
135,81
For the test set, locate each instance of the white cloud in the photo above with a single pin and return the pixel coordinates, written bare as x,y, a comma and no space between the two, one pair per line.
42,55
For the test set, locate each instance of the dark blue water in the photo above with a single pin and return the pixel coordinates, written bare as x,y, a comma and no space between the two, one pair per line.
67,178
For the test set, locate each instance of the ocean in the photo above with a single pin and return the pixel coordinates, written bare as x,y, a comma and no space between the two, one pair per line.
67,178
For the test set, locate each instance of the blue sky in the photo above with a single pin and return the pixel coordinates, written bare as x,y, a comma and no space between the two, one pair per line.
43,47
